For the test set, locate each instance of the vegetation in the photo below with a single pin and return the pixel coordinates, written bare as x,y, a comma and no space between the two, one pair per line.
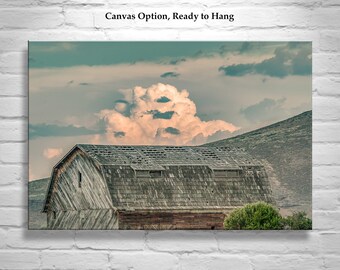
297,221
263,216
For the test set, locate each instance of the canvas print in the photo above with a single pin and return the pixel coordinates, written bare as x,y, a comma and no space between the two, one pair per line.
170,135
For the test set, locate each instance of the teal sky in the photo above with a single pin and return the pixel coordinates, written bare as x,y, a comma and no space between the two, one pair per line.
108,53
66,54
89,92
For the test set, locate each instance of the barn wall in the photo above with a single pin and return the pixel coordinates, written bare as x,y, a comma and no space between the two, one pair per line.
194,220
93,193
83,220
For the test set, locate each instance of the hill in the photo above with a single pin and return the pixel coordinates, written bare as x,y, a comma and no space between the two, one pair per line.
36,197
285,149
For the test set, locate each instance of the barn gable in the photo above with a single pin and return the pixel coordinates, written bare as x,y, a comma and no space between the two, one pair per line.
76,184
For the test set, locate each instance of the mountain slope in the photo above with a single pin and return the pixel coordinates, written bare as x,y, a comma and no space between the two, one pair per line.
285,148
36,197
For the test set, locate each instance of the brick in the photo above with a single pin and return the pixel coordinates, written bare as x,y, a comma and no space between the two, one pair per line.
14,195
332,262
116,240
88,3
13,107
289,35
208,33
326,63
329,243
13,85
18,3
325,17
18,238
16,217
13,130
2,238
326,132
331,3
79,18
287,262
213,261
147,34
18,259
13,63
31,18
266,242
12,174
323,220
326,199
326,154
329,86
13,153
199,241
330,41
74,260
326,177
326,108
286,16
143,261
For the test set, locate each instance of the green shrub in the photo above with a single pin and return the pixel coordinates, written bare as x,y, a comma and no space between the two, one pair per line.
255,216
297,221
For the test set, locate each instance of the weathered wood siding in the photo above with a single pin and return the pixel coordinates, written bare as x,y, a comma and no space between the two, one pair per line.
187,187
93,193
105,219
68,196
191,220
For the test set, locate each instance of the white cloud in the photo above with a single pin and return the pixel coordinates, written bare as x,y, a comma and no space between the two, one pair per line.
151,122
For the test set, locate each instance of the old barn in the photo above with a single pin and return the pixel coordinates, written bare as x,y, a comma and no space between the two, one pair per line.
151,187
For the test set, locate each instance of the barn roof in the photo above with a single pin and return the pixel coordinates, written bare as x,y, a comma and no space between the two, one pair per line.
156,157
188,180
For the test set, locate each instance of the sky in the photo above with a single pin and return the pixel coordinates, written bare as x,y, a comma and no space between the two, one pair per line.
159,93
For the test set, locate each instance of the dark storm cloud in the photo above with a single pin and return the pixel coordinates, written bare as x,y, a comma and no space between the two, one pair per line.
292,59
264,110
170,75
237,70
84,84
47,130
172,130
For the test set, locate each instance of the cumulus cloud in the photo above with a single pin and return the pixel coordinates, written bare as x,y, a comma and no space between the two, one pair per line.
152,122
50,153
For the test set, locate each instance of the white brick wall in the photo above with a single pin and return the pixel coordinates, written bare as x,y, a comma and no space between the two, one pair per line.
22,20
